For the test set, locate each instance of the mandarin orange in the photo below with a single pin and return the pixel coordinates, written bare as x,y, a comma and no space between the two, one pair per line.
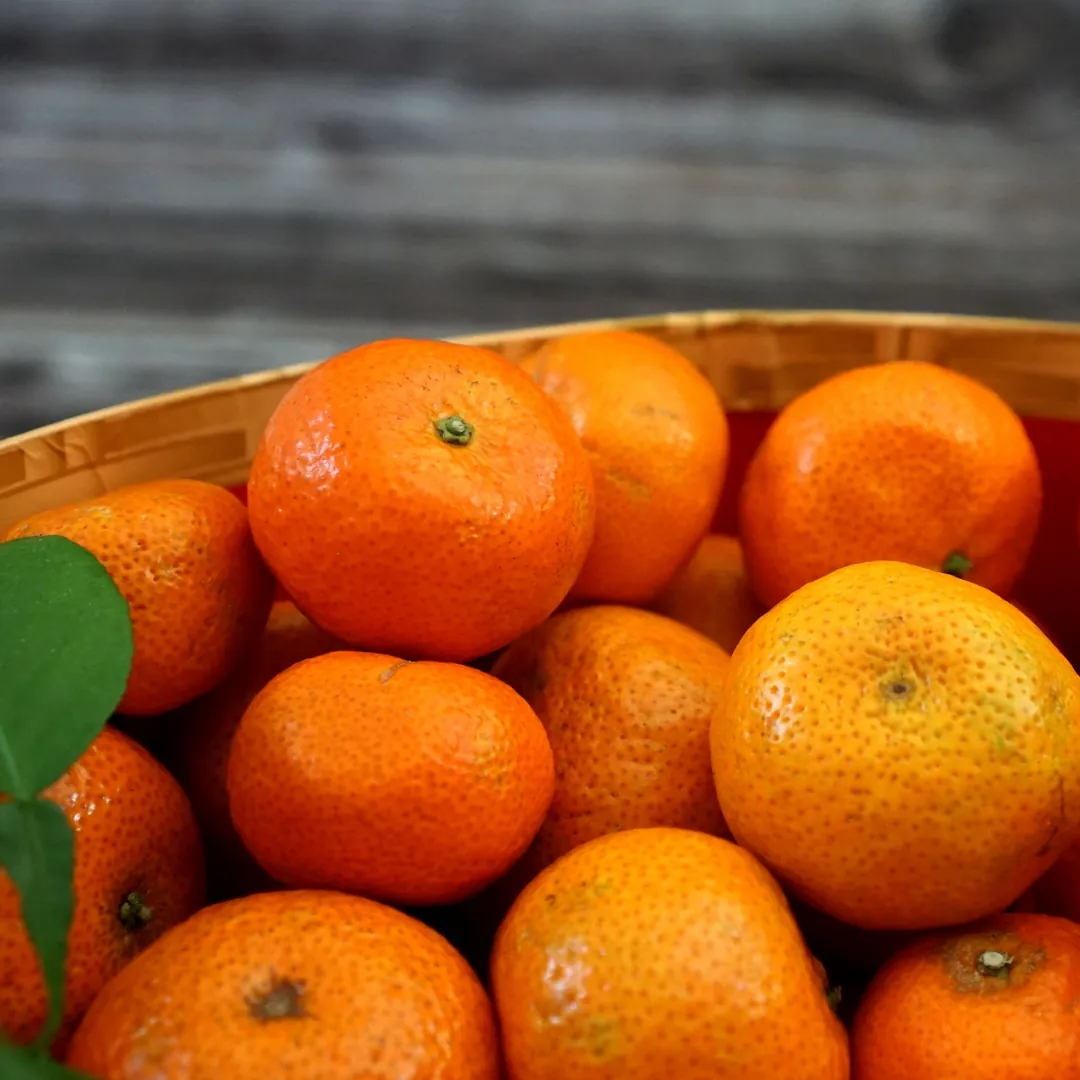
904,461
315,985
138,872
197,750
902,748
657,439
712,594
181,553
418,783
422,498
627,698
660,953
996,1001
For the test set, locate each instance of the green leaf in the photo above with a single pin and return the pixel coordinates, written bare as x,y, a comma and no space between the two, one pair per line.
37,849
65,656
22,1063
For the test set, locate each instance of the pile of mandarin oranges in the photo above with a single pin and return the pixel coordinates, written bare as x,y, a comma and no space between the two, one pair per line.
456,746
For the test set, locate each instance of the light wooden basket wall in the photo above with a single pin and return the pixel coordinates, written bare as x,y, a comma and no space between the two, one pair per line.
757,361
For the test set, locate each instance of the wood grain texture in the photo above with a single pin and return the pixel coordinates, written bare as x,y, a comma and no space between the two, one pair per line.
197,187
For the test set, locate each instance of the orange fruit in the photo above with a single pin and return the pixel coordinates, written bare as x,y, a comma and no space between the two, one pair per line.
627,698
422,498
301,984
181,553
712,594
418,783
657,439
901,747
995,1001
660,953
200,738
904,461
138,871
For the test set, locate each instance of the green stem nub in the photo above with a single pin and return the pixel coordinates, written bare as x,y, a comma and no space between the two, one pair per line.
134,912
993,963
957,564
454,430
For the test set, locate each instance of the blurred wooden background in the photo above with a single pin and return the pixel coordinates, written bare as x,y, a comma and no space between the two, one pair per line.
190,188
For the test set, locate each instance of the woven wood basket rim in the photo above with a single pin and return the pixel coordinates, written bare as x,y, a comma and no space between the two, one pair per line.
683,321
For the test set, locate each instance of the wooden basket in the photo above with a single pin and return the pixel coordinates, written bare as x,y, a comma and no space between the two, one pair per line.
758,361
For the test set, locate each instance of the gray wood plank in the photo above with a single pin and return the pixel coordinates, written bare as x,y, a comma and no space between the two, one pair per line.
938,52
58,364
190,188
337,114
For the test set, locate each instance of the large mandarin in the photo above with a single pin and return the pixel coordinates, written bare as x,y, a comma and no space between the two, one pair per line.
422,498
900,747
308,985
660,953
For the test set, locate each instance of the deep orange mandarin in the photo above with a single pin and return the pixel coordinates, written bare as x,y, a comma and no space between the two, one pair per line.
181,553
307,985
138,872
711,593
422,498
418,783
627,698
201,735
995,1001
657,440
904,461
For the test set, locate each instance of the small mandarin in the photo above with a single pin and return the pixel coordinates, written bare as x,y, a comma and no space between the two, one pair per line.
308,984
181,553
627,698
904,461
995,1001
418,783
138,872
660,953
902,748
657,438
